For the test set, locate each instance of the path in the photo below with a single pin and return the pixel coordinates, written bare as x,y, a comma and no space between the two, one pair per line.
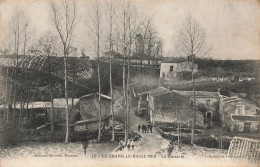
150,143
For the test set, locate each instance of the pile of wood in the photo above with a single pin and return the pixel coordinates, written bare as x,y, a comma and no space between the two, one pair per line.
245,150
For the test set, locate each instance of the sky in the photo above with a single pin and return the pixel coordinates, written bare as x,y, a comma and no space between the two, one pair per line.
232,26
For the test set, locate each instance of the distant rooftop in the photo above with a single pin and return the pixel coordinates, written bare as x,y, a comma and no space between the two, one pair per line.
249,118
161,91
92,94
234,99
200,94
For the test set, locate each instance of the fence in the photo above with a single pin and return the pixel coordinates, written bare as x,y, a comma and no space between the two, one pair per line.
245,150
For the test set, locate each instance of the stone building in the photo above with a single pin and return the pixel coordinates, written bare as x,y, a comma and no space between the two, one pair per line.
89,112
164,105
239,115
171,71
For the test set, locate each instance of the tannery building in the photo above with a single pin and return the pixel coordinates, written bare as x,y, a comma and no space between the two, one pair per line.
239,115
164,105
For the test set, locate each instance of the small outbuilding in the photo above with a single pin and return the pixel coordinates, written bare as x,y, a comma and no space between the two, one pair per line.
89,112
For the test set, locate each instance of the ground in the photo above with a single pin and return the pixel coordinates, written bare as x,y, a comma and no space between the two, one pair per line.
151,146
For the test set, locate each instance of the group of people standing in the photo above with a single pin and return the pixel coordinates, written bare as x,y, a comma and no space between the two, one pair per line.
145,128
130,144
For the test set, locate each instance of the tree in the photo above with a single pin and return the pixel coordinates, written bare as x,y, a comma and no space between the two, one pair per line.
47,46
111,43
192,39
16,25
128,26
191,42
64,15
96,21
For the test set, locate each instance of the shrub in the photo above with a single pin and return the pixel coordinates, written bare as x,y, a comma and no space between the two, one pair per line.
36,122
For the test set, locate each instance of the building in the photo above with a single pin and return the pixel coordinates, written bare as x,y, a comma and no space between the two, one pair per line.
176,70
164,105
89,112
239,115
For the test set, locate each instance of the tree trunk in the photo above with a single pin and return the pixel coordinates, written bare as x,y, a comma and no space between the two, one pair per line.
193,105
66,98
111,102
6,94
51,95
99,102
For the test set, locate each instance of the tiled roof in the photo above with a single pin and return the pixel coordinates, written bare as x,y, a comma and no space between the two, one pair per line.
233,99
249,118
198,93
161,91
156,92
36,104
102,95
90,120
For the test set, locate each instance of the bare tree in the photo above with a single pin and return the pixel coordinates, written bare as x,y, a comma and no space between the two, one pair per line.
111,43
128,27
192,41
16,31
47,46
64,17
96,27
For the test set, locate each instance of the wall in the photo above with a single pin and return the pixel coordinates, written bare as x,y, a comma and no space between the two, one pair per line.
171,107
91,126
89,107
60,114
230,108
165,70
239,126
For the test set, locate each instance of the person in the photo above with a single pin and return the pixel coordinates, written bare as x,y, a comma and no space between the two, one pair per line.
120,146
139,127
148,128
170,147
132,144
85,145
128,144
143,128
151,128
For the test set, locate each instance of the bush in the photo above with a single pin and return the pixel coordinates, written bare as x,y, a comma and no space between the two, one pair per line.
36,122
10,137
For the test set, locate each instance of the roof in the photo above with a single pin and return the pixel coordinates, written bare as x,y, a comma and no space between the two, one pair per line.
115,54
31,105
61,102
90,120
92,94
234,99
156,92
200,94
246,118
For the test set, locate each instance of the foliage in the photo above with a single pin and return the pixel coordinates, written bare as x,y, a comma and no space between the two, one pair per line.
36,122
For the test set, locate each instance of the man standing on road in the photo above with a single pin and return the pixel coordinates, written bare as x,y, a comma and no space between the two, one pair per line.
139,127
148,128
143,128
85,145
151,128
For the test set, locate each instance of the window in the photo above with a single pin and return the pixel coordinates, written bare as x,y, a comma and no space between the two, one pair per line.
240,110
171,68
208,115
207,102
